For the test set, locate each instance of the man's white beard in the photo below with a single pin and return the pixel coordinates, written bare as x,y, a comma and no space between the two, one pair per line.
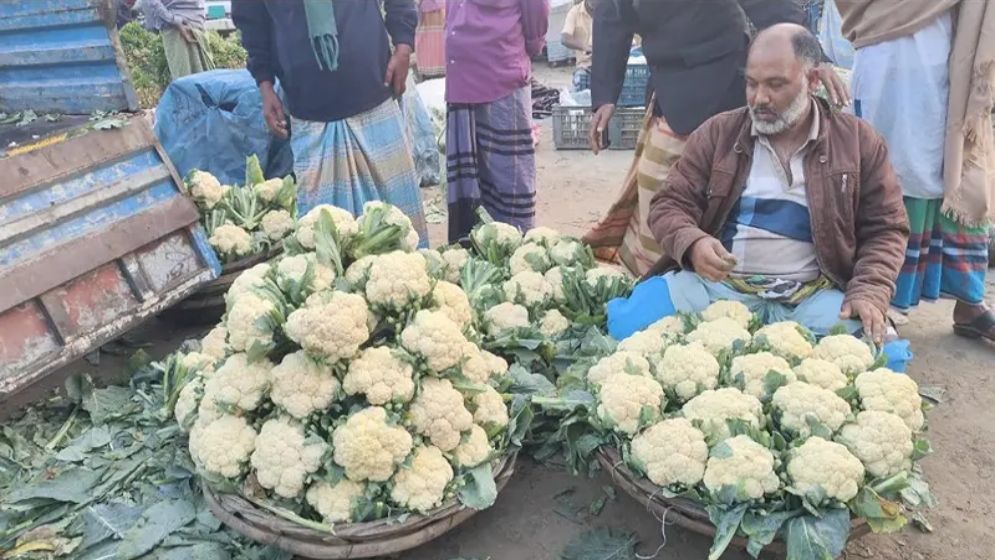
785,120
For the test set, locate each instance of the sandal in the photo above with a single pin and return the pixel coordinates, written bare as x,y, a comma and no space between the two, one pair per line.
983,326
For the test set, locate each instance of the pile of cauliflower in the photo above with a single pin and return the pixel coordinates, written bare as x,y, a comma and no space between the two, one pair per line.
346,382
244,220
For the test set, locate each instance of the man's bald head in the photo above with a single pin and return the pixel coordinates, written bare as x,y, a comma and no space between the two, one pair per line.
780,75
788,37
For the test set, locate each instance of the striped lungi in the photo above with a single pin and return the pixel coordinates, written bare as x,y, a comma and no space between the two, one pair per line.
622,235
430,43
350,162
491,162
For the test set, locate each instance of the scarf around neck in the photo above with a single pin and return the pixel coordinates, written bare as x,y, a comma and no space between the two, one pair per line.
324,32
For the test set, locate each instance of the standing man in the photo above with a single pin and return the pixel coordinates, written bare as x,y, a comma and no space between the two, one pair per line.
578,34
341,81
489,147
430,38
923,75
181,25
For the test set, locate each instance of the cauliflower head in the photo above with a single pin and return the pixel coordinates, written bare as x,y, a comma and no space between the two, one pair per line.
206,189
504,237
505,316
596,274
268,189
821,373
820,468
799,402
477,366
381,376
624,397
199,363
434,337
239,383
554,279
671,327
455,259
187,402
497,365
671,452
734,310
334,502
368,447
619,362
568,252
291,271
688,370
553,323
887,391
529,257
451,300
230,239
302,386
473,450
881,440
345,224
714,407
527,288
786,340
283,457
248,322
649,343
397,280
720,334
215,343
752,369
248,281
543,236
439,414
276,224
223,445
330,328
743,464
489,409
422,486
393,216
848,352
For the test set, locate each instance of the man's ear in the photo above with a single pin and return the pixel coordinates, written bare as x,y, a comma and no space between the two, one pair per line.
812,79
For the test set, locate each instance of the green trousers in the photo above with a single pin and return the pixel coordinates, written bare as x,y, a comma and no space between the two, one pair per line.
186,58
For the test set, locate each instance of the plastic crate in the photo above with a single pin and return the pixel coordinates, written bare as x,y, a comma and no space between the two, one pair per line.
571,126
637,76
624,128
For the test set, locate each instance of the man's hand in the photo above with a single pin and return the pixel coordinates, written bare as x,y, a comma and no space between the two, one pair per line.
834,85
397,70
187,33
873,318
710,259
276,120
599,124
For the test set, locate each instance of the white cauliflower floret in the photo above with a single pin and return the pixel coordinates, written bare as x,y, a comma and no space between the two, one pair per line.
554,279
369,448
529,257
887,391
248,281
397,280
820,468
455,259
490,409
334,502
292,270
786,340
567,252
422,486
651,344
506,316
284,458
671,452
345,224
734,310
798,402
302,386
268,189
715,407
881,441
594,275
619,362
688,370
671,327
248,322
198,363
223,445
187,402
381,375
744,464
545,236
451,300
497,365
751,370
527,288
821,373
358,273
623,398
332,328
851,354
239,383
438,413
476,366
434,337
276,224
473,450
720,334
206,189
503,236
230,239
553,323
215,343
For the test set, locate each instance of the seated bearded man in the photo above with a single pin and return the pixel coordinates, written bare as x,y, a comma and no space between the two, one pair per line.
786,205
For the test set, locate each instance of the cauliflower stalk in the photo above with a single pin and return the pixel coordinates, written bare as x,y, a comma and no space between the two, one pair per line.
439,414
671,452
743,465
283,457
629,402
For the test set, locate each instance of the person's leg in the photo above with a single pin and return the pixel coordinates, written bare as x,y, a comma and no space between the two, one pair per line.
177,52
507,168
463,170
965,264
820,313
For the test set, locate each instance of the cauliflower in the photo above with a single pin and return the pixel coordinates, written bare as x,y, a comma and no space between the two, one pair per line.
619,362
821,373
501,237
223,445
248,281
331,328
239,383
715,407
397,280
544,236
648,343
671,327
248,322
451,300
490,409
206,189
345,224
268,190
527,288
568,252
688,370
283,458
529,257
276,224
477,367
750,370
392,216
497,365
743,464
671,452
215,343
422,486
825,469
553,323
594,276
302,386
334,502
554,279
786,339
473,450
231,240
881,440
434,337
358,273
799,402
734,310
623,399
199,363
381,375
438,413
291,271
849,353
887,391
187,402
720,334
369,448
505,316
455,258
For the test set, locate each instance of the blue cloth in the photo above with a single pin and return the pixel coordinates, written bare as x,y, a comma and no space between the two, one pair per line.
899,355
582,79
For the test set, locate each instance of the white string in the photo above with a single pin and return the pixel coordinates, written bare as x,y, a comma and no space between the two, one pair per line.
663,534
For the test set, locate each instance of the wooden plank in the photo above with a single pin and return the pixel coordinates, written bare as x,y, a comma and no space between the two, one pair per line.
60,55
56,312
133,273
80,255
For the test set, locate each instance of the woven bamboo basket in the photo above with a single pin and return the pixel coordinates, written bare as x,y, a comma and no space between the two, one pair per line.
683,512
347,540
